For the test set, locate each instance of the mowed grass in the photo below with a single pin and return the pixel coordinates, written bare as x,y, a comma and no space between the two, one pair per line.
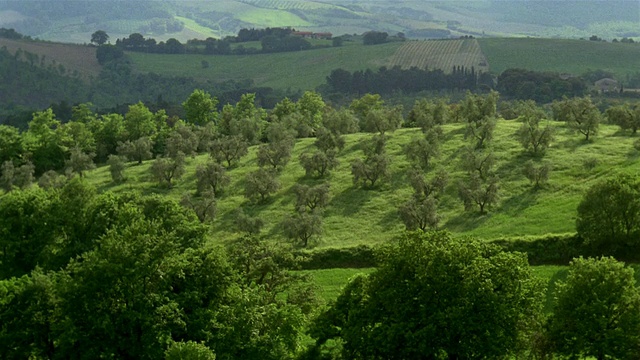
357,216
564,56
295,70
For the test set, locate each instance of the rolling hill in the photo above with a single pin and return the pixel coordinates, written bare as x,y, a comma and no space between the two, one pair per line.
74,21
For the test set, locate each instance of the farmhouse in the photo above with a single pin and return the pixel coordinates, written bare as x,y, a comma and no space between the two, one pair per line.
312,35
607,85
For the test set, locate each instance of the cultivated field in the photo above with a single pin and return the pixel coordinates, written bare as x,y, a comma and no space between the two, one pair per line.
73,57
295,70
440,54
564,56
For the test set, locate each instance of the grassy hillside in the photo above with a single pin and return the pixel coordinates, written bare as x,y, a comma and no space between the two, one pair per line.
570,56
296,70
356,216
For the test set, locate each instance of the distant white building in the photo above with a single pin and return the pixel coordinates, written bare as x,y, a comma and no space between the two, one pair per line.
607,85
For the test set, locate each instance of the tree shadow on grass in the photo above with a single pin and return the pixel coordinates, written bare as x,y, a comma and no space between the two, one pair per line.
551,289
467,221
350,201
516,204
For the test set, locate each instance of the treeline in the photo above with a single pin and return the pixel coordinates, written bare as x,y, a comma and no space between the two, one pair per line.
542,87
29,83
387,81
271,39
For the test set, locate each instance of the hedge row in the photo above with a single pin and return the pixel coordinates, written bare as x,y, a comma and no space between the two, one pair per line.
555,249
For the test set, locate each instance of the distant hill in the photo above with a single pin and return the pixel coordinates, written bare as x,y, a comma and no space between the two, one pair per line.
74,21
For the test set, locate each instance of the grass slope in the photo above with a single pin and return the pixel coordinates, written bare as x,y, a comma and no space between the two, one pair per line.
296,70
355,216
570,56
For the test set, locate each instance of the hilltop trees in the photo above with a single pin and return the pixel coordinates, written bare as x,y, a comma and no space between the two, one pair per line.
434,296
99,37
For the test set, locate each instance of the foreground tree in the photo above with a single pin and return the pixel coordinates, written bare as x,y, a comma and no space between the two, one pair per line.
597,313
435,297
609,214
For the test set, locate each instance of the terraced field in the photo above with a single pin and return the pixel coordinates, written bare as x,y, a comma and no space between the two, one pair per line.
440,54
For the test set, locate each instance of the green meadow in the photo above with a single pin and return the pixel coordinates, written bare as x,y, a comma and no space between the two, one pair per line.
357,216
564,56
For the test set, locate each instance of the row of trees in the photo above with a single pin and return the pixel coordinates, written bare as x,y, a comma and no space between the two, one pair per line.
387,81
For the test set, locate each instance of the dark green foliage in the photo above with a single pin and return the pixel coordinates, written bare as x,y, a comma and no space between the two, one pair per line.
532,137
137,150
361,256
375,165
609,215
542,87
537,175
302,226
419,213
260,184
327,140
79,162
479,162
580,114
625,116
546,249
116,168
311,198
479,112
478,191
189,350
51,179
200,108
11,143
341,121
7,176
426,114
212,176
421,151
230,149
204,206
23,175
435,297
99,37
181,139
374,37
597,313
382,120
319,163
275,154
166,170
107,53
424,188
252,225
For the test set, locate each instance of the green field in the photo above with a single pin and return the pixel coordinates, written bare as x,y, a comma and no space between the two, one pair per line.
295,70
563,56
355,216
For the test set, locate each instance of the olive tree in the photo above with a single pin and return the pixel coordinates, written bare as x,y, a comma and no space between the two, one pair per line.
580,114
531,135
